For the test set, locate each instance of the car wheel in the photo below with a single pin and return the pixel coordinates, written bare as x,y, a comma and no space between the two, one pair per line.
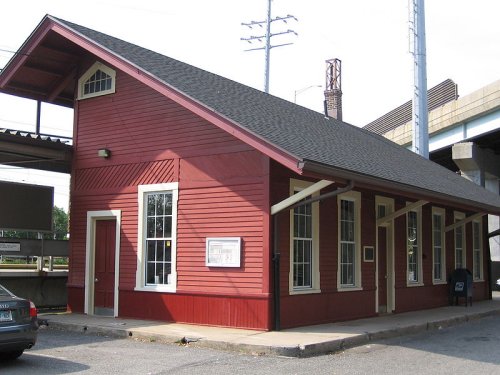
10,356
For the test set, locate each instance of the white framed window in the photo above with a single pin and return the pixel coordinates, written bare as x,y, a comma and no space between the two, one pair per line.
477,249
304,244
414,247
349,241
460,250
157,240
97,80
438,246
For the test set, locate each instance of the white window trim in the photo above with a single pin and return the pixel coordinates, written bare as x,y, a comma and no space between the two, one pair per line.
457,216
315,277
441,212
355,197
89,73
141,252
420,280
481,260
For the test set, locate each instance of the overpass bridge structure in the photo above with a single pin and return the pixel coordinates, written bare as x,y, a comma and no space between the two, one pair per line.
464,136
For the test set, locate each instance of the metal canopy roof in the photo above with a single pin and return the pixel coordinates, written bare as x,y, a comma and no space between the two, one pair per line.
29,150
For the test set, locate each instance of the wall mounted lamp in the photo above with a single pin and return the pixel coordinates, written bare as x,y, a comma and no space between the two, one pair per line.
104,153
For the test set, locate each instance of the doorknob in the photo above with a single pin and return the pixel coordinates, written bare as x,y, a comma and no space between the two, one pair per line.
96,279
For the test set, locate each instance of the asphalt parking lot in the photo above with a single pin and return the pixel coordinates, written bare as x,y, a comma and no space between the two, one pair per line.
471,348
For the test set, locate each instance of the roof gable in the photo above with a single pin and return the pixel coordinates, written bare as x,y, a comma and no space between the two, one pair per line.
289,133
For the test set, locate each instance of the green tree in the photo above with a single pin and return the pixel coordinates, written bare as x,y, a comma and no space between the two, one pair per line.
59,224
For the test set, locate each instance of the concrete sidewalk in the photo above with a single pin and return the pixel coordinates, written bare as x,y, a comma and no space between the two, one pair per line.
296,342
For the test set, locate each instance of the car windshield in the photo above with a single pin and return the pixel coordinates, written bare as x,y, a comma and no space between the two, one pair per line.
3,292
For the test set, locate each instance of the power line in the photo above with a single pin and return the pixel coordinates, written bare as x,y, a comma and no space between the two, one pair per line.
267,37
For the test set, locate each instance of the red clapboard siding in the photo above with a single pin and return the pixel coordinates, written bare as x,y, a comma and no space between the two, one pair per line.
222,184
137,121
248,312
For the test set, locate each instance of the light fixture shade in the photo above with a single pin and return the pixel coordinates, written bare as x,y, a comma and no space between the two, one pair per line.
104,153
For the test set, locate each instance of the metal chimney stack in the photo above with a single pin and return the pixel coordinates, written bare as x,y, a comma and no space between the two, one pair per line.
333,89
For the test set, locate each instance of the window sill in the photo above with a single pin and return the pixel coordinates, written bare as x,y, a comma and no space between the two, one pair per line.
478,280
439,282
415,284
349,289
304,291
156,289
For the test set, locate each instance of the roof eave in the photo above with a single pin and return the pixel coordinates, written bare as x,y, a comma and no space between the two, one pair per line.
398,188
26,48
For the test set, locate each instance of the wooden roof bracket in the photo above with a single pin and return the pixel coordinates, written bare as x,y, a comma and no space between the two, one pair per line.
402,211
459,223
284,204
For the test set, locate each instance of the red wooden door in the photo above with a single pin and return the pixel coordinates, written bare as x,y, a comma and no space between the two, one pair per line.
104,280
382,269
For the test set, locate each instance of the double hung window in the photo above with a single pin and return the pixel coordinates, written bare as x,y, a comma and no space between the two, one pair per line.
460,251
304,243
349,273
414,252
438,247
302,246
477,250
157,237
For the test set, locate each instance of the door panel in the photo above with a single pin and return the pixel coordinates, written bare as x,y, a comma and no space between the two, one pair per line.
104,271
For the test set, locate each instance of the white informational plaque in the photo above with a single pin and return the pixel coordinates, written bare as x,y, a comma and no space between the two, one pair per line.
223,252
10,246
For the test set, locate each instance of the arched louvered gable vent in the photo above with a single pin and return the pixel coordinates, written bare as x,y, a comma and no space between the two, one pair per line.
97,80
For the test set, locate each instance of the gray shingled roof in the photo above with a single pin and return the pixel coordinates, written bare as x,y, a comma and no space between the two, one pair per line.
301,132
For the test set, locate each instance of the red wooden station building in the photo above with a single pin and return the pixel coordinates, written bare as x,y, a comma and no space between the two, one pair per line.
197,199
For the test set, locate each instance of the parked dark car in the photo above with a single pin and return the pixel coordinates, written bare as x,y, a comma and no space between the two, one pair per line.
18,325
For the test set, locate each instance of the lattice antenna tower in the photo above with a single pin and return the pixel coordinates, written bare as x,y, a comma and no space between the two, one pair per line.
267,38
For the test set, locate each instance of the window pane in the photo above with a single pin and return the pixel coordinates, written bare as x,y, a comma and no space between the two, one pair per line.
168,227
151,251
150,232
150,273
160,251
168,251
168,204
381,211
151,205
159,204
160,273
159,227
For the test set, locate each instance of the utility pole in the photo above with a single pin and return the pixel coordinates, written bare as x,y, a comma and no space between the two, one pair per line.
420,108
268,35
